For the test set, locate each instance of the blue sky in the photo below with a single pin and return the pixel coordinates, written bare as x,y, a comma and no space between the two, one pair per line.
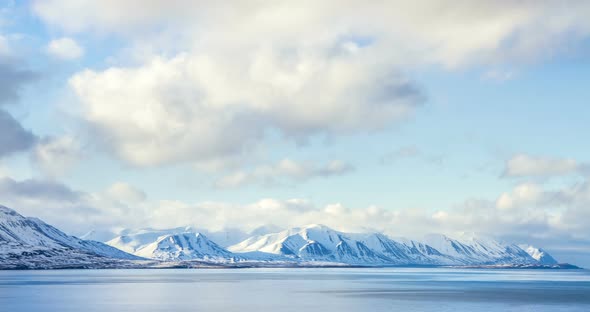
440,119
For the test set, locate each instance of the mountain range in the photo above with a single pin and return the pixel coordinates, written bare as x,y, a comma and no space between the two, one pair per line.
29,243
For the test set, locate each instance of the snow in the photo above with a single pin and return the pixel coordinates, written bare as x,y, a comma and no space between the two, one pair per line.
539,254
31,243
319,243
172,247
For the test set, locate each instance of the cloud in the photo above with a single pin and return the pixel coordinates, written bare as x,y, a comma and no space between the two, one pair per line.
13,137
124,192
36,190
522,165
554,218
434,31
55,156
73,210
65,49
521,195
284,171
197,108
534,212
209,81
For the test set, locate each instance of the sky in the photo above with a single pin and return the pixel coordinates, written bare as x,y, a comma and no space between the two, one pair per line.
402,117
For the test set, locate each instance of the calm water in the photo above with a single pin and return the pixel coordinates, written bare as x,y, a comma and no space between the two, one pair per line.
295,290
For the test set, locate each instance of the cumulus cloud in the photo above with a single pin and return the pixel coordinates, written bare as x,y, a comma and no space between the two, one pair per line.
284,171
523,165
65,49
522,195
201,107
297,69
452,34
55,156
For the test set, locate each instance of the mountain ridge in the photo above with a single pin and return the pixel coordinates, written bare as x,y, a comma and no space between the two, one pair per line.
27,242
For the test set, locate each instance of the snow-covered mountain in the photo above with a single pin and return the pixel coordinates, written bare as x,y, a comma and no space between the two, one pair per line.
539,254
471,249
171,245
320,243
312,243
223,238
32,243
402,251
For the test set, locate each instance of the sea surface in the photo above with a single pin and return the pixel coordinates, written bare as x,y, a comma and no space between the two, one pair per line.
326,290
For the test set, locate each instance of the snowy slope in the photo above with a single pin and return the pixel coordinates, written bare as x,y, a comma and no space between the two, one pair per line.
30,242
314,243
405,251
320,243
161,245
539,254
223,238
470,249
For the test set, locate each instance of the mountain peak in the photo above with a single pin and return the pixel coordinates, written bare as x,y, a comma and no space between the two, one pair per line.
7,211
172,246
539,254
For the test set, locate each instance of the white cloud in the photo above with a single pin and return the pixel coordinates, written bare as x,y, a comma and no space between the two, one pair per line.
523,194
218,77
284,171
523,165
437,31
56,156
197,108
65,49
125,192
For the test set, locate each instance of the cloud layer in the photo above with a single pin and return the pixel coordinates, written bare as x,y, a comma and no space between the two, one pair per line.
202,81
285,171
56,156
195,108
528,210
523,165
